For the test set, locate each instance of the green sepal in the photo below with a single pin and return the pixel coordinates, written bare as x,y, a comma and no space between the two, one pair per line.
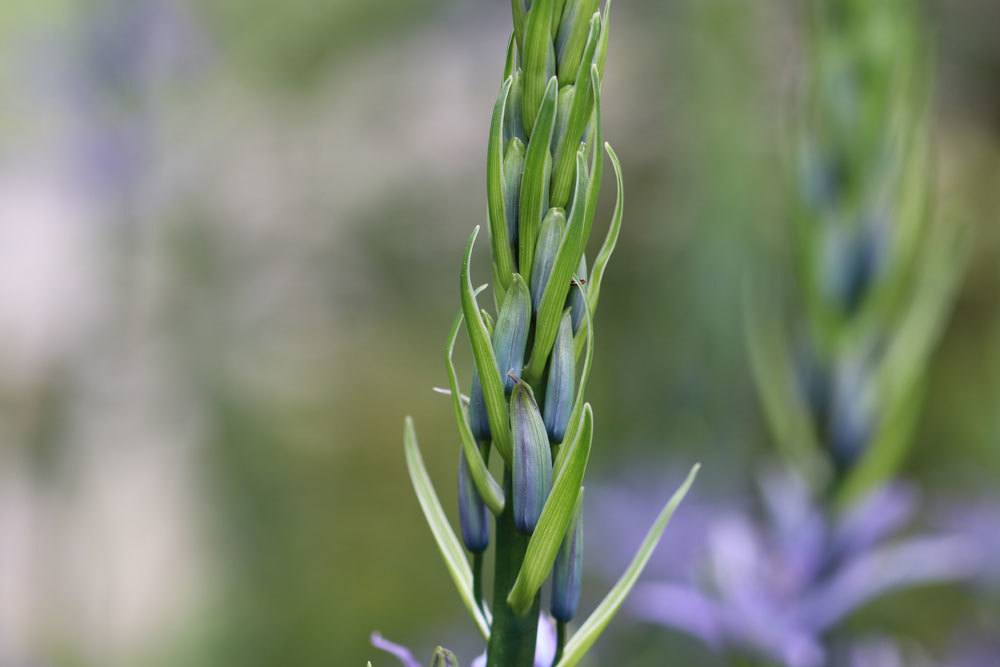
510,64
486,363
577,119
519,12
447,542
595,624
489,490
557,514
503,258
539,57
535,181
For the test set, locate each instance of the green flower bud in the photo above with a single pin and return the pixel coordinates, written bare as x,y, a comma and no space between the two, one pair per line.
513,122
510,336
549,237
443,658
567,571
473,516
532,464
572,37
559,391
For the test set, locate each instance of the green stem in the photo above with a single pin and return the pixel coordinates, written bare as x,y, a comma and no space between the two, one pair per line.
477,580
560,641
512,637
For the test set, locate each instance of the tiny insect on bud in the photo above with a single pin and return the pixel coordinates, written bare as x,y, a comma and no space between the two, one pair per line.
578,295
532,465
559,391
472,511
510,336
549,237
567,571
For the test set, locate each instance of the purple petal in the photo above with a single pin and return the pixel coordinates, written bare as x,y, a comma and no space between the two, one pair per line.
401,652
545,644
879,515
679,607
913,562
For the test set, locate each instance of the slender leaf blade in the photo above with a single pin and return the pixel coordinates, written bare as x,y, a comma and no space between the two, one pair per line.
503,258
554,521
611,240
447,542
595,624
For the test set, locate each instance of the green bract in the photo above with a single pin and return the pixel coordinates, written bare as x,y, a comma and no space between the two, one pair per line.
544,168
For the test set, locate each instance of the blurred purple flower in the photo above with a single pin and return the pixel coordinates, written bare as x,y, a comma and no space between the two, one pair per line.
775,587
545,647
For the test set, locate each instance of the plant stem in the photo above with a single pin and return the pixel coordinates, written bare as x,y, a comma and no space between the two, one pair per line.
512,637
560,641
477,580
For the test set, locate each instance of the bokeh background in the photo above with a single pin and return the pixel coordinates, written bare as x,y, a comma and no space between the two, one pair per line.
229,241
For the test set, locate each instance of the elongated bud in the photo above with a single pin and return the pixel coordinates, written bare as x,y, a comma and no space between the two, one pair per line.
559,391
549,236
472,511
510,336
539,59
578,294
568,569
532,465
513,122
443,658
479,420
572,37
563,106
513,169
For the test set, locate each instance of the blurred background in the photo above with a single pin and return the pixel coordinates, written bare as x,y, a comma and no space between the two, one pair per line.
229,240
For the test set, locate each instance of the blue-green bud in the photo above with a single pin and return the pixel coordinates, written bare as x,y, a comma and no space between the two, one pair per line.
578,294
549,237
443,658
567,571
510,336
479,421
472,512
513,168
562,379
532,464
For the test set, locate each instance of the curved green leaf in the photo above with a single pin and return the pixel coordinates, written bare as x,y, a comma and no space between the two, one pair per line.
557,514
448,544
503,258
535,181
488,488
486,362
611,240
595,624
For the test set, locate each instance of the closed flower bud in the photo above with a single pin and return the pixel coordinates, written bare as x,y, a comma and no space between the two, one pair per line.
510,336
562,378
563,107
572,37
549,237
513,125
472,511
443,658
479,420
513,168
577,296
532,465
567,571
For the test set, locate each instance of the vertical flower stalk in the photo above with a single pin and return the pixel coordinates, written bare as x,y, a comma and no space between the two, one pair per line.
544,169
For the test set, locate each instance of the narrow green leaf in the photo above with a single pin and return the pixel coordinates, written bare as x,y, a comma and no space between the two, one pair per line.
539,59
447,542
488,488
519,11
486,362
535,181
502,256
579,115
554,520
602,48
510,64
595,624
611,240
